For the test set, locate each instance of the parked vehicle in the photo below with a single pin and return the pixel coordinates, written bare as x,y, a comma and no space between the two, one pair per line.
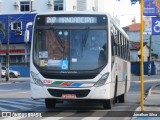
12,73
3,73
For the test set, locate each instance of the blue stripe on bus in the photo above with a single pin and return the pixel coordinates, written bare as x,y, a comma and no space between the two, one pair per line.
76,84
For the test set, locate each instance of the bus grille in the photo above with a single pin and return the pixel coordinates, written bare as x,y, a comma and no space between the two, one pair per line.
78,93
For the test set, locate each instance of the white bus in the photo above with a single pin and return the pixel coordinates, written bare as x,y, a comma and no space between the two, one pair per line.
79,56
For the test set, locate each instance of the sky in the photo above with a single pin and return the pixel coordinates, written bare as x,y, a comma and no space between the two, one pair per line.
123,10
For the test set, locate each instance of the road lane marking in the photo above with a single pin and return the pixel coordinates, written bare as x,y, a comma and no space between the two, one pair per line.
4,109
9,90
157,80
15,106
13,93
32,102
5,83
12,118
17,103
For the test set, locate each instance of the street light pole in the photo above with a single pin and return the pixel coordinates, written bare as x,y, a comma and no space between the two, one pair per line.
7,51
142,56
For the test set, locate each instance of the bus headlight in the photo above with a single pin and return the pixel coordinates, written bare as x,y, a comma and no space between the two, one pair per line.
102,80
36,79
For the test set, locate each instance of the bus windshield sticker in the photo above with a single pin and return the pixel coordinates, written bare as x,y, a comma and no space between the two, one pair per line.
55,63
66,33
52,20
43,54
74,59
43,63
64,65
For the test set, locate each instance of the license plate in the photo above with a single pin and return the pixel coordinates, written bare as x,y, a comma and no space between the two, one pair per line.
68,96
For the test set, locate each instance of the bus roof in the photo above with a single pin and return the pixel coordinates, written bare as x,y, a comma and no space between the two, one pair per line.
74,12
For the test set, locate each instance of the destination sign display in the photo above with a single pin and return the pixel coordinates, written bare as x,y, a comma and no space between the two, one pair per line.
68,20
52,20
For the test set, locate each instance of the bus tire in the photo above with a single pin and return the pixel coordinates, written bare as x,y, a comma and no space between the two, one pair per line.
50,103
121,98
107,104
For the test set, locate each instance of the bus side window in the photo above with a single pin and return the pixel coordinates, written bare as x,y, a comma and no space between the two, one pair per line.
112,44
128,53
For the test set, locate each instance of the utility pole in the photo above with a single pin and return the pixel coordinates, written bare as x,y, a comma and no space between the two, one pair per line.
7,51
149,60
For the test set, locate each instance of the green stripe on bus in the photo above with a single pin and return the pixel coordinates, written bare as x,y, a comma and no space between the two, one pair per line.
57,82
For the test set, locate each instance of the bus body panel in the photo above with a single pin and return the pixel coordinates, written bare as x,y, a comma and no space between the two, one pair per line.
120,72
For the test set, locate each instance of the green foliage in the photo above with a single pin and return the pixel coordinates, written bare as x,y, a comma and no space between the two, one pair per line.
3,33
2,29
135,1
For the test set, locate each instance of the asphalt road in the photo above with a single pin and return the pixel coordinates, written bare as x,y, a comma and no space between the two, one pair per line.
15,96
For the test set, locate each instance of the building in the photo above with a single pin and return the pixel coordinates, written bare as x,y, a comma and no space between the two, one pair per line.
17,13
24,6
135,51
133,31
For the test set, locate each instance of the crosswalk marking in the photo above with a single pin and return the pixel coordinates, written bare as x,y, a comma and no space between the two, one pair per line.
4,109
12,118
17,103
61,112
15,106
40,102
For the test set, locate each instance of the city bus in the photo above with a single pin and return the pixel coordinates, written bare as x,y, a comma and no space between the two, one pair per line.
78,56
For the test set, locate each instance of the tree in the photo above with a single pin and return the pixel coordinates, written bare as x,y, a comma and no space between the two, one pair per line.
134,1
2,29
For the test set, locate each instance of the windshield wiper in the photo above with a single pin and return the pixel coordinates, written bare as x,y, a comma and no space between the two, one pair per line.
84,41
85,37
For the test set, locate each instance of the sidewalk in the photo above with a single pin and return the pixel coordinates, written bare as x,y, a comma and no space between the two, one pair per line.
151,105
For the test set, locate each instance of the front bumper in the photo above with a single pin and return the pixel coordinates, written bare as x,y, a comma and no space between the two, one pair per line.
102,92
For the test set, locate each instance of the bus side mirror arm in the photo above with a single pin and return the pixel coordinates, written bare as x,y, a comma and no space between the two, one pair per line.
26,35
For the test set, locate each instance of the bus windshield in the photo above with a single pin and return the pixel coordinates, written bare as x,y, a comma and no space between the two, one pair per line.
70,49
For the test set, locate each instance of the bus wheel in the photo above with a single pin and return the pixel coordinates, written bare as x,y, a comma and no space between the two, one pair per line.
50,103
121,98
107,104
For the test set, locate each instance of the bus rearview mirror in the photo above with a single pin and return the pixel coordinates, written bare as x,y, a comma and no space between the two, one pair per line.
26,36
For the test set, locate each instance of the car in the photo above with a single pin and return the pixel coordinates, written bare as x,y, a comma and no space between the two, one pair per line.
12,73
3,73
